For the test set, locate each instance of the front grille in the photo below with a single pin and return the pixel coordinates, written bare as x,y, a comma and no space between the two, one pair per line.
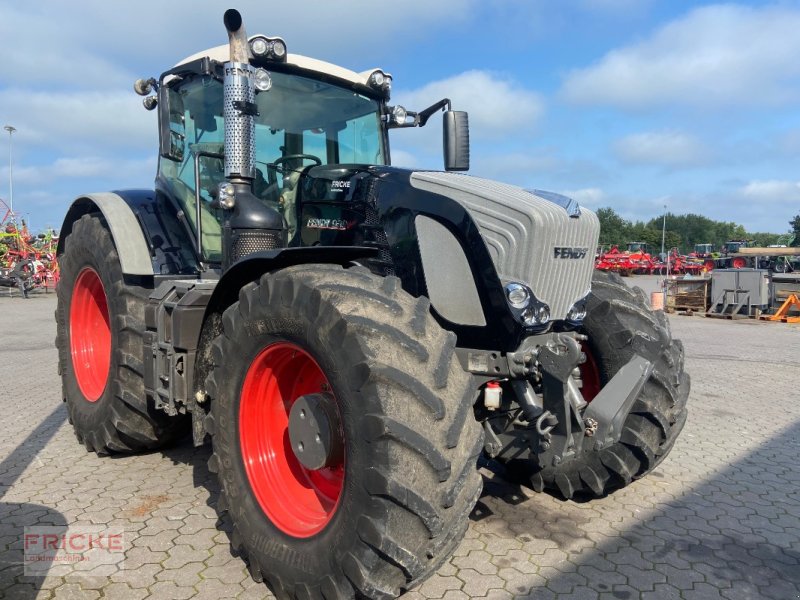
375,237
247,242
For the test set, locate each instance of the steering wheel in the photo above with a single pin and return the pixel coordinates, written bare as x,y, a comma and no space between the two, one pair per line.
279,161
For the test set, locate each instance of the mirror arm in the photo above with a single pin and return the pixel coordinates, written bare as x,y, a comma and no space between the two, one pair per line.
422,117
419,118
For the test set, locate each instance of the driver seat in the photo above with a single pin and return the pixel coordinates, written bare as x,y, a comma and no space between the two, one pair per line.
288,200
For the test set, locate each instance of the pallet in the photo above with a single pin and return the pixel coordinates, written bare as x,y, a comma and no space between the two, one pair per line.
730,317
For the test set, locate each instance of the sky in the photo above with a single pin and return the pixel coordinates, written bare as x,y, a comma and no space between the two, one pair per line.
632,104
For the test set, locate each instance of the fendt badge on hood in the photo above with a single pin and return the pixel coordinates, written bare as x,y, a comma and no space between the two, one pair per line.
567,252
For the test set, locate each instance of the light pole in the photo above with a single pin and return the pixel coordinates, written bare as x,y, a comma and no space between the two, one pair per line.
10,131
663,236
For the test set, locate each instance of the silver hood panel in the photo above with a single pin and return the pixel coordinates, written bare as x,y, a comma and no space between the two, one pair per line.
521,230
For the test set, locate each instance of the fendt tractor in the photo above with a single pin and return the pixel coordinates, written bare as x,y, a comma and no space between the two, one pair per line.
351,337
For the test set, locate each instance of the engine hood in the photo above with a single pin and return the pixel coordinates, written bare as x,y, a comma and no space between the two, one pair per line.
539,238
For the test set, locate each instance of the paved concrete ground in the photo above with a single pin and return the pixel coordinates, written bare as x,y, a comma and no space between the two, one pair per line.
720,518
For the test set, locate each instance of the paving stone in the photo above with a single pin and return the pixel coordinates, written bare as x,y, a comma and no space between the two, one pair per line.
72,591
477,584
717,519
437,586
122,591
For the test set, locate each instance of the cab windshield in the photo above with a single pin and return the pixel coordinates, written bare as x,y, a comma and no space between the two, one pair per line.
301,122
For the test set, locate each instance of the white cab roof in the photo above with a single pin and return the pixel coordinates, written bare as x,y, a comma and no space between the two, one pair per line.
222,54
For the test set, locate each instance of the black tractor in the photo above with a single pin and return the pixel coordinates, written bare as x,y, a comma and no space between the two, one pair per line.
351,337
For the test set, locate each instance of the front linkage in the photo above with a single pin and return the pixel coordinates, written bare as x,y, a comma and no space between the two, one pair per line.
544,413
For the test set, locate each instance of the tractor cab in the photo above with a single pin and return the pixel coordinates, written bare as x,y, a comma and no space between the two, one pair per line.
733,246
238,134
299,122
637,248
703,250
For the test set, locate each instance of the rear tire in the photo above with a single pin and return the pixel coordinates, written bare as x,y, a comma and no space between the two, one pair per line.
100,327
408,478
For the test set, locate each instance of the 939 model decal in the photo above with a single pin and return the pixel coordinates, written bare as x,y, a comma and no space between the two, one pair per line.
337,224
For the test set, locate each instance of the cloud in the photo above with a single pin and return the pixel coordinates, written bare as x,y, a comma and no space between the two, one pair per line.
401,158
721,55
52,56
117,172
73,121
497,104
590,197
667,148
773,191
499,109
90,41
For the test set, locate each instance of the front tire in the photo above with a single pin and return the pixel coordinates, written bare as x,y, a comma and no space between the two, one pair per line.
619,324
391,509
100,326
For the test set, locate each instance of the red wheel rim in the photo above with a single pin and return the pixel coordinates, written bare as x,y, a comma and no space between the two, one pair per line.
709,265
300,502
590,376
739,263
90,334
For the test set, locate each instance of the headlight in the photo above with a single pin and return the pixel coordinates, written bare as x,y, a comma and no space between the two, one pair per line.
377,79
399,115
259,46
262,80
577,313
525,305
279,48
538,314
270,49
226,195
518,295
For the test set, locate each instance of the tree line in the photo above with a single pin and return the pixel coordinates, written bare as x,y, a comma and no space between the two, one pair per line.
684,231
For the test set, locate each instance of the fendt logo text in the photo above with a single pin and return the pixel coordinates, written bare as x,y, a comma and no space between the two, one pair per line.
567,252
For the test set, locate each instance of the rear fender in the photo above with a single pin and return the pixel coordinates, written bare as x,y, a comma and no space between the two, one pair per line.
147,229
134,254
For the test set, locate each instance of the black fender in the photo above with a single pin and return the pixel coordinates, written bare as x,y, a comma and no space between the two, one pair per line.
146,229
253,266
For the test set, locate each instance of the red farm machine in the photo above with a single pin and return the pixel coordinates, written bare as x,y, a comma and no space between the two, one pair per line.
635,259
26,259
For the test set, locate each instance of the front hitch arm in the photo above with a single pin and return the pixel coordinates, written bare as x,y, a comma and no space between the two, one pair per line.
560,428
602,421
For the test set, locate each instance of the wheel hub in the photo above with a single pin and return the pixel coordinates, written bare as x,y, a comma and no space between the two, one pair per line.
314,431
300,500
90,334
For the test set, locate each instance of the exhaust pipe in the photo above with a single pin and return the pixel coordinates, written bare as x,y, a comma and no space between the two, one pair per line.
239,103
251,225
237,38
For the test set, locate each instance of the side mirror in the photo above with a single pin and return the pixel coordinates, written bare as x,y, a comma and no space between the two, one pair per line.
456,140
171,126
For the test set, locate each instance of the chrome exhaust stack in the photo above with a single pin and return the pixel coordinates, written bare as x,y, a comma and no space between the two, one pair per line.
251,224
239,102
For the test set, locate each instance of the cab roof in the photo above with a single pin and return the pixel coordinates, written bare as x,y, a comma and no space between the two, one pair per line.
222,54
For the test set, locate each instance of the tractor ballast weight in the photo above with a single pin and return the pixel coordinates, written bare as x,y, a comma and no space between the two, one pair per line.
403,322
